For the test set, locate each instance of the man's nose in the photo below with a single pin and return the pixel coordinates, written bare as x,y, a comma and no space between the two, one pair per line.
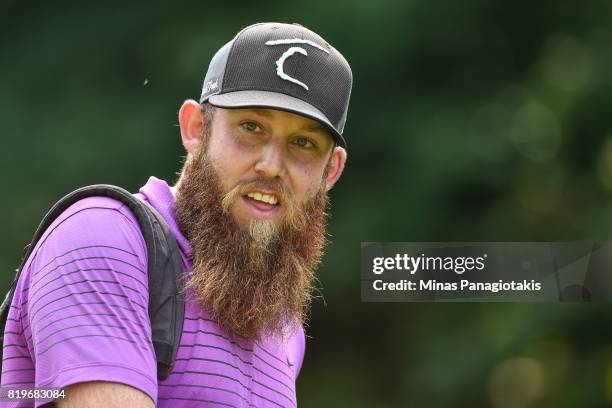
271,162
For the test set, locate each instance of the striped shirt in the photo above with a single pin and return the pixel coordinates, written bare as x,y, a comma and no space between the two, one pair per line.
80,314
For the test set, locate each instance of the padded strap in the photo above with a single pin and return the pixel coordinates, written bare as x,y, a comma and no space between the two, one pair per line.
165,270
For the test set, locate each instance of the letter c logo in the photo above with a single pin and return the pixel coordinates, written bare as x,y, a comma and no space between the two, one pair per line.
281,61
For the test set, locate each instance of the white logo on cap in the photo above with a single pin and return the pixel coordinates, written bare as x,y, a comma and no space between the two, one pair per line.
211,85
279,63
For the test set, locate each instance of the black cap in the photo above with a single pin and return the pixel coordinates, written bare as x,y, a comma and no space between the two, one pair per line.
282,66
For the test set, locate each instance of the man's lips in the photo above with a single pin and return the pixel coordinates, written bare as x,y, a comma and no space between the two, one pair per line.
260,209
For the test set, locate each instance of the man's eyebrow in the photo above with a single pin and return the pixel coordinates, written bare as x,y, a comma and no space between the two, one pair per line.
311,127
261,112
315,127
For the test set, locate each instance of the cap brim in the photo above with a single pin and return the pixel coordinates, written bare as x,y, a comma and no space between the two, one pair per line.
274,100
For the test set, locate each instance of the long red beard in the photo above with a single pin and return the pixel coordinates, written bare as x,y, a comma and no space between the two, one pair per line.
251,287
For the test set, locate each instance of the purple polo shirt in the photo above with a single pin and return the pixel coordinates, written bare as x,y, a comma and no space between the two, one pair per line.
80,314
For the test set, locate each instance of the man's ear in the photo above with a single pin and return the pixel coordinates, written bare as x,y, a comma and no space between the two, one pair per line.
335,166
191,122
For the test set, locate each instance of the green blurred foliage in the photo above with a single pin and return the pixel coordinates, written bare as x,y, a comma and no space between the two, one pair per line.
470,120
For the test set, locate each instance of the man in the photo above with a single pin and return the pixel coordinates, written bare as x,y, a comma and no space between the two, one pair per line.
264,145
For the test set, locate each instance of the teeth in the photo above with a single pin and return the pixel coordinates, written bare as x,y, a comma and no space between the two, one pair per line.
266,198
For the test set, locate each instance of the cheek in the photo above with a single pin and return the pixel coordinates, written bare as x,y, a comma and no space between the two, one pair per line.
307,181
230,163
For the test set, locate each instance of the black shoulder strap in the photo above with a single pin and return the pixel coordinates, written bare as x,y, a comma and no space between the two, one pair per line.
165,270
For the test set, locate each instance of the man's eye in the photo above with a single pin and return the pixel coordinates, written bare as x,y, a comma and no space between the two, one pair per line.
303,142
251,126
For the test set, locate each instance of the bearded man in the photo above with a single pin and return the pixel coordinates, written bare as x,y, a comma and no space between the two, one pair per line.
264,145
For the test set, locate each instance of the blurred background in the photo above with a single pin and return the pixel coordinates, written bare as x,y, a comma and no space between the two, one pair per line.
470,120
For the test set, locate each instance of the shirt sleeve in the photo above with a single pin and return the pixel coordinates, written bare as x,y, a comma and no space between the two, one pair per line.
85,315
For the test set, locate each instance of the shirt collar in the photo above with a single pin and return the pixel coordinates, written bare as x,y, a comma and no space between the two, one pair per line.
161,197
